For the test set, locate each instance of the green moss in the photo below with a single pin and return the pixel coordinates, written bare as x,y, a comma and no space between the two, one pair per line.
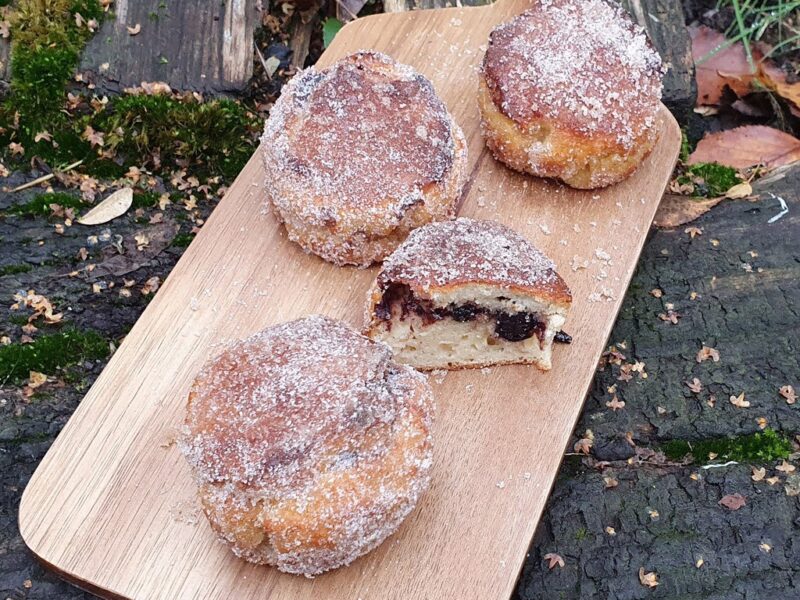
764,446
710,179
182,240
48,353
145,200
213,138
14,269
581,534
46,43
39,206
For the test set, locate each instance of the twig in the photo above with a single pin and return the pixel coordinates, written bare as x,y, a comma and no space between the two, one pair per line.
47,177
263,62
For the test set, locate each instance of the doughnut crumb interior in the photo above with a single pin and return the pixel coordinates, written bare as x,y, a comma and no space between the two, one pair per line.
308,443
358,154
467,293
571,89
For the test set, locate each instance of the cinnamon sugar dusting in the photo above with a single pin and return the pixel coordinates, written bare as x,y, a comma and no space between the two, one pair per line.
359,140
466,250
584,63
309,444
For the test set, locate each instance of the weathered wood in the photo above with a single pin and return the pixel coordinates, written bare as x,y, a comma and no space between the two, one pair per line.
102,506
664,22
5,60
395,6
200,46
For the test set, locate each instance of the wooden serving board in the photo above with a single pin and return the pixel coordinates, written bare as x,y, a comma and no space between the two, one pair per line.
111,507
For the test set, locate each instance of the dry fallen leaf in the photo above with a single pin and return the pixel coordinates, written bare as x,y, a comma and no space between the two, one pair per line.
747,146
112,207
95,138
693,231
733,501
725,67
676,210
765,547
584,445
656,293
762,422
647,579
615,404
786,467
773,480
740,190
135,29
695,385
142,241
788,392
758,474
699,563
611,531
610,482
553,559
151,285
705,353
36,379
739,401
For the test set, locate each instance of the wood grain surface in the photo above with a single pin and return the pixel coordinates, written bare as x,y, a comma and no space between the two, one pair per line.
112,504
199,46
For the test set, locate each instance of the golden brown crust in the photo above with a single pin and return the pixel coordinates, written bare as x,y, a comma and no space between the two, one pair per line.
570,89
359,154
442,257
308,443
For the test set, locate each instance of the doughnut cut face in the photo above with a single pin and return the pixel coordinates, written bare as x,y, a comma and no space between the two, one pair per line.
308,443
570,89
467,293
359,154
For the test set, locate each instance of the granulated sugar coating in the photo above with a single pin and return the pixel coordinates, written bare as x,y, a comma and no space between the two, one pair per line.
308,443
471,251
582,63
358,152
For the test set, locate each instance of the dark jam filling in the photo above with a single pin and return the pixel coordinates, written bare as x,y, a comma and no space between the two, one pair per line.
514,327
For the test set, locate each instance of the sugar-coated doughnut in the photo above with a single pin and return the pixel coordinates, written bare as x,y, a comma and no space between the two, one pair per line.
467,293
570,89
359,154
308,443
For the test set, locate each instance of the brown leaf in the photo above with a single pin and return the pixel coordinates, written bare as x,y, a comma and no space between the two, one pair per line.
615,404
693,231
786,467
739,401
733,501
725,67
695,385
705,353
610,482
758,474
747,146
648,579
762,422
553,559
776,79
773,480
135,29
151,285
676,210
584,445
95,138
656,293
36,379
788,392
